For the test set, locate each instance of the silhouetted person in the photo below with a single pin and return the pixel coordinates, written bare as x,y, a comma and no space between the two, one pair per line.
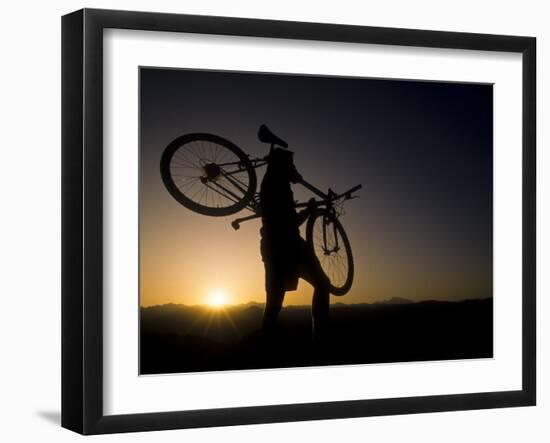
285,254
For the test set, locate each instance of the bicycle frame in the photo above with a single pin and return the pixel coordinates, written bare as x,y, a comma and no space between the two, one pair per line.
326,200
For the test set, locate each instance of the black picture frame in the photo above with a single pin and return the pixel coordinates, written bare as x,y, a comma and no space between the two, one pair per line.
82,218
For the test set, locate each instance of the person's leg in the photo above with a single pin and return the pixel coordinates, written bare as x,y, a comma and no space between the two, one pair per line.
320,309
273,305
313,274
274,302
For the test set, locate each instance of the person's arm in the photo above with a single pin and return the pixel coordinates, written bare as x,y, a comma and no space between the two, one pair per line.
303,215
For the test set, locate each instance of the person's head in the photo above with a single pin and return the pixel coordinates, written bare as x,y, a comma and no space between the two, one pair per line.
281,165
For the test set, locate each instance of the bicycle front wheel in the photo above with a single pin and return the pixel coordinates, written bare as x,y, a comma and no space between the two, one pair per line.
327,239
208,174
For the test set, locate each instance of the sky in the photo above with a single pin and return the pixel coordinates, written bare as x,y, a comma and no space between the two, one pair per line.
421,229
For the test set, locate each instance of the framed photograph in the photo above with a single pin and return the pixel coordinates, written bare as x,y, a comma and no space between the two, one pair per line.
269,221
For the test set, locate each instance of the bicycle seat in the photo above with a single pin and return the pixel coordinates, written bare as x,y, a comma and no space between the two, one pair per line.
266,136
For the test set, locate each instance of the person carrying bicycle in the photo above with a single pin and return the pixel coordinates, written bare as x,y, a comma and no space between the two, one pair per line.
212,176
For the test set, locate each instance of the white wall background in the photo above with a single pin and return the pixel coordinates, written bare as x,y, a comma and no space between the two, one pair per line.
30,221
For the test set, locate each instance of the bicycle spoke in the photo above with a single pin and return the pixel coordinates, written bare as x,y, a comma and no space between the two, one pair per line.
183,159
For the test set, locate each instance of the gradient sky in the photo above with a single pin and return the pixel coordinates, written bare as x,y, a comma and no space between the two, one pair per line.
421,229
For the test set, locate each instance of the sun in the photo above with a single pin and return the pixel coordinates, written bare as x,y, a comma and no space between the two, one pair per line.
217,298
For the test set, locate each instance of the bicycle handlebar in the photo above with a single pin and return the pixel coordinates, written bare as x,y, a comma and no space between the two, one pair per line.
331,195
351,191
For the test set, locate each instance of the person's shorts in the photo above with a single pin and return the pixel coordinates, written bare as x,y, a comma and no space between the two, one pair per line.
282,273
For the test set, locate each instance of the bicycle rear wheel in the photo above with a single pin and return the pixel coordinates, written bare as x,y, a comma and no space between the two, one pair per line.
327,239
208,174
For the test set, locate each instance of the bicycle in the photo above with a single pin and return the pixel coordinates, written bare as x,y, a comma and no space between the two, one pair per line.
212,176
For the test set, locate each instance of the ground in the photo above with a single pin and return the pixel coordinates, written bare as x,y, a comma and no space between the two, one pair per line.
179,338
